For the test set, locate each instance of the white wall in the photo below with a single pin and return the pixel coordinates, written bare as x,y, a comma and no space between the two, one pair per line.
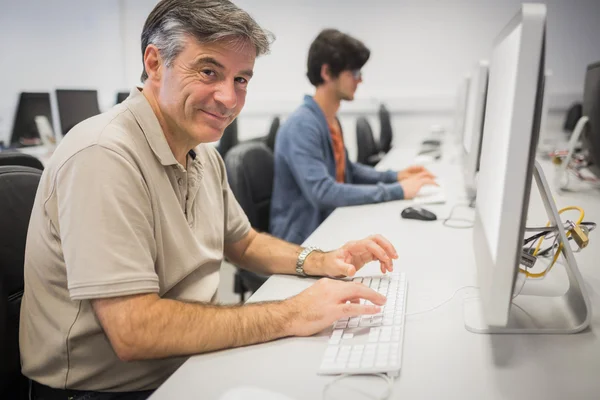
420,49
46,45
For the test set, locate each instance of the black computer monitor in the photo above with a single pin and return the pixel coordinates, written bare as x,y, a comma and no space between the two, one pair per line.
75,106
121,96
24,127
591,109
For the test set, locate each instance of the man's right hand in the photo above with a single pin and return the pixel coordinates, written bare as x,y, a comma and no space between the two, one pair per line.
319,306
412,185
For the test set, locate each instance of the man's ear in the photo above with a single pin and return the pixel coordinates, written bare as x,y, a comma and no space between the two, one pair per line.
153,62
325,73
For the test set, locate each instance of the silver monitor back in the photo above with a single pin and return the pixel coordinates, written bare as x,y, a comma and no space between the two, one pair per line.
461,107
474,125
510,136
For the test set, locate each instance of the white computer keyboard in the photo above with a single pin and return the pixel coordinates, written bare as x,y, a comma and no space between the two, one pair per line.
371,343
430,194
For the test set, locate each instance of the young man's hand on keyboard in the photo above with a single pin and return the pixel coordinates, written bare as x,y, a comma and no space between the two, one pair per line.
319,306
352,256
412,185
414,170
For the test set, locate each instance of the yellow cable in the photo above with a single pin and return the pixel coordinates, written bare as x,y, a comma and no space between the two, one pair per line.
560,247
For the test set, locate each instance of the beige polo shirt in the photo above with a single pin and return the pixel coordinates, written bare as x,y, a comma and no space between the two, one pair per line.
115,214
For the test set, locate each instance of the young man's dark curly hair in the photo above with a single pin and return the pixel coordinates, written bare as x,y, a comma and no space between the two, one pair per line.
338,50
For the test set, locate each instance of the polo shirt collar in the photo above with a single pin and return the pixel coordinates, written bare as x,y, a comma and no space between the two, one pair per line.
145,117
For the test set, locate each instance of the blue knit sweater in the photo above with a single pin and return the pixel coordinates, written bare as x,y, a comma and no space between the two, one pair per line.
305,191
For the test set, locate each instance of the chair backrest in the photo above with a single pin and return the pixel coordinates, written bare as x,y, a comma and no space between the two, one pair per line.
229,138
250,172
365,141
18,186
386,134
18,158
272,135
573,114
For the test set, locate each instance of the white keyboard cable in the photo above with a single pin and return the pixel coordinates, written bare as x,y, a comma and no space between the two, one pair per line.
390,380
386,395
442,303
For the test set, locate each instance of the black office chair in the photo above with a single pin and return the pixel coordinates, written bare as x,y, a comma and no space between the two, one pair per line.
385,135
17,158
368,151
272,135
229,139
121,96
250,172
574,113
18,186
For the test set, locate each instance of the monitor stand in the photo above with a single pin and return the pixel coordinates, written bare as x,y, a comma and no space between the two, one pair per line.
542,314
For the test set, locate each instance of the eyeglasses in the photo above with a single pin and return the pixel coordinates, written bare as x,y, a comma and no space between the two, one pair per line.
356,74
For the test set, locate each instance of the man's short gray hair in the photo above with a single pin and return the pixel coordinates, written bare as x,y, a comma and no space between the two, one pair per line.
205,20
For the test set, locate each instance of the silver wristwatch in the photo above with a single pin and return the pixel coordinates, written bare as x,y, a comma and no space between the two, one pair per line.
302,257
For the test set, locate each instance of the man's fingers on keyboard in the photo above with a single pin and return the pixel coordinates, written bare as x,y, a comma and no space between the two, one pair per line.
353,310
379,253
360,291
385,245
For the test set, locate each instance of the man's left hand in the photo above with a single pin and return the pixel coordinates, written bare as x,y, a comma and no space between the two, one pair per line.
352,256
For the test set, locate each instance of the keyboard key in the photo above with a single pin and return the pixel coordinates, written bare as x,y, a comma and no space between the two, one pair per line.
341,324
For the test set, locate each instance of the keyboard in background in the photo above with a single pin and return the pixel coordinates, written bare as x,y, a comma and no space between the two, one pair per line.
430,194
370,344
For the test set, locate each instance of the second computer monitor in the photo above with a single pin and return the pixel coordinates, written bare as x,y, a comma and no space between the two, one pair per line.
591,109
461,107
75,106
511,130
474,125
31,105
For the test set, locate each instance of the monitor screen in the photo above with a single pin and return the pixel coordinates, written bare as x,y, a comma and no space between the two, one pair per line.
475,106
75,106
512,119
24,126
591,109
474,126
461,106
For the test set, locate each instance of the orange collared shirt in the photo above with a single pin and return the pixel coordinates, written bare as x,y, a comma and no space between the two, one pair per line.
339,153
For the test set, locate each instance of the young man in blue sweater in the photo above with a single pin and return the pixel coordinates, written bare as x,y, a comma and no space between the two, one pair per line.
313,174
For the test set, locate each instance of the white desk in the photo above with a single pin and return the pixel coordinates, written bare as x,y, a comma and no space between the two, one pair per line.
441,359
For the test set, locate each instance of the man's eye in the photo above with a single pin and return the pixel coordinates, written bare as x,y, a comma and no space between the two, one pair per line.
208,72
241,80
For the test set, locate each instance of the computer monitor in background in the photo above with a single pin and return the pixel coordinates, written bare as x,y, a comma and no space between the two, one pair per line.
591,109
461,107
25,131
75,106
121,96
511,130
474,125
547,141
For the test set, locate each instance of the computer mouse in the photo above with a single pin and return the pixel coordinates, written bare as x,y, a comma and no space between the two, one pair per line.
418,213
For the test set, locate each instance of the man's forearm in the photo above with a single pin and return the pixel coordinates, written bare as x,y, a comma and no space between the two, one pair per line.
167,328
270,255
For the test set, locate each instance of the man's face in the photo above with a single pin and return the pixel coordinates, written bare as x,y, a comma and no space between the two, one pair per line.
346,83
204,89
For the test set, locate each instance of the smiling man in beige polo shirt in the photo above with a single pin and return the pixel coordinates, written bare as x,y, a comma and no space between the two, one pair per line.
134,215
